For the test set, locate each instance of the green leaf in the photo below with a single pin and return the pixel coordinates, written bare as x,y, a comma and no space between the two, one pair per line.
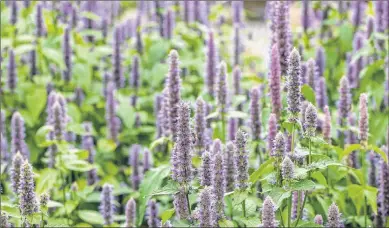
308,224
371,196
264,168
355,192
91,217
170,189
278,195
159,141
21,49
106,145
46,180
55,56
41,136
152,181
212,115
51,204
167,214
323,163
36,101
320,178
349,149
239,196
250,222
303,185
308,93
127,113
78,165
237,114
226,223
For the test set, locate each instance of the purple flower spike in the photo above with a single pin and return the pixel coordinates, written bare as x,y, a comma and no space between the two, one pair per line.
327,125
241,160
294,84
321,93
152,214
344,104
334,219
287,168
200,125
14,12
113,122
117,74
237,12
218,186
255,114
211,58
184,145
311,73
318,219
310,122
188,11
229,166
58,122
380,8
131,213
33,66
79,96
205,170
4,220
321,61
18,134
4,141
237,76
372,169
358,43
181,204
135,75
163,115
27,200
306,17
12,79
232,128
206,211
383,195
107,204
369,27
217,146
174,91
275,81
146,161
134,162
268,213
139,41
67,53
39,21
88,144
237,46
284,36
222,88
16,170
358,13
272,131
363,119
169,23
279,145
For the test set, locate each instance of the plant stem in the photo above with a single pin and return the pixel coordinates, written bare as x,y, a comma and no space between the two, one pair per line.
302,208
187,199
310,152
365,212
290,209
244,208
282,220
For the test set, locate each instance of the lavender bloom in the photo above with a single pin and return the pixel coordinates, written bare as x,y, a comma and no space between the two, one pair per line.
211,58
351,138
105,82
237,12
184,142
304,73
358,13
310,123
4,220
4,141
229,166
386,98
369,27
321,61
175,163
107,204
379,22
12,77
58,122
174,92
363,119
372,169
383,196
311,73
163,115
130,213
222,88
237,76
44,200
306,16
218,186
294,84
169,24
333,219
134,162
255,114
344,104
318,219
188,11
217,146
200,125
146,161
295,204
237,49
117,74
275,81
232,128
181,204
279,146
206,170
88,144
284,35
113,122
18,134
14,13
241,160
327,125
27,201
16,170
134,78
272,131
358,43
79,96
287,168
33,67
206,211
139,42
321,93
271,14
67,53
268,213
152,212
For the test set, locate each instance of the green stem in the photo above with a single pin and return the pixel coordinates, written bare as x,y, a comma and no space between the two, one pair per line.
310,152
187,199
302,208
282,220
244,208
365,212
290,209
63,190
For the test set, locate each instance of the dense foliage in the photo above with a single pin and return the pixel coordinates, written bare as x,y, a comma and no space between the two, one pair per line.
157,113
